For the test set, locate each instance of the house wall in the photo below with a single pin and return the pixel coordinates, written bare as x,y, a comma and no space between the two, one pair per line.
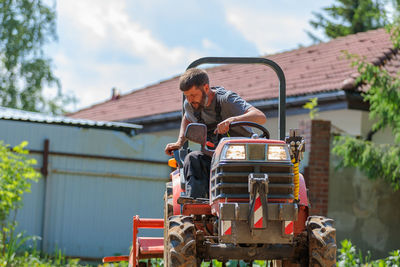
85,205
365,212
384,136
348,121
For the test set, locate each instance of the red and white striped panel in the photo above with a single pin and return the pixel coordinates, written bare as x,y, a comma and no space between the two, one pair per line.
258,212
226,227
289,225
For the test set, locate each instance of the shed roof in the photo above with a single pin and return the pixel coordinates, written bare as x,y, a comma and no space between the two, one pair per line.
310,70
21,115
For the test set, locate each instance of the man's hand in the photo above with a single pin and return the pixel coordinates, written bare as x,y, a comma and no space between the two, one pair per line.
169,149
252,114
223,127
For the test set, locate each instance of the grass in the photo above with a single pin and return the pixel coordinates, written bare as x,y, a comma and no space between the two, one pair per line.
348,256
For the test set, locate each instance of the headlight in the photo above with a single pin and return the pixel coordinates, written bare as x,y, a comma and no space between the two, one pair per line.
235,152
277,153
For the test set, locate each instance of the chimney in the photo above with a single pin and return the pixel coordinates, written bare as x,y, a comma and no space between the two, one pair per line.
115,94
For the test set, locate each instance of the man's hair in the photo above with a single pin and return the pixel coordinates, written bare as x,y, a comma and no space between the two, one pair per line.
193,77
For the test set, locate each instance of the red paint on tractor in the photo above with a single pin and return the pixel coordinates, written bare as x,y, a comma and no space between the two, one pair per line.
196,209
176,187
303,191
289,228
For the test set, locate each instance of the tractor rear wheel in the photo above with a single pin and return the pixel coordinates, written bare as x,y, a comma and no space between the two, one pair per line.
168,212
321,241
181,242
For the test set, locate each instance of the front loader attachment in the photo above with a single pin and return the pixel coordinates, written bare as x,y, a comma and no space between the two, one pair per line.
142,247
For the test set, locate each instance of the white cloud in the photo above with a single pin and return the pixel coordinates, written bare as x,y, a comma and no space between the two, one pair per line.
208,44
100,27
100,21
269,32
102,45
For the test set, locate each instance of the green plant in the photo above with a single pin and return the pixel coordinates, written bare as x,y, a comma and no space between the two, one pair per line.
312,106
26,27
349,257
14,243
16,172
125,264
34,258
344,17
383,96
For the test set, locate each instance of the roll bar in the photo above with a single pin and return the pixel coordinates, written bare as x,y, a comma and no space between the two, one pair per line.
253,60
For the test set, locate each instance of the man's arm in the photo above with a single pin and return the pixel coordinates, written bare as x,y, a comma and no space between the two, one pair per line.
181,138
252,114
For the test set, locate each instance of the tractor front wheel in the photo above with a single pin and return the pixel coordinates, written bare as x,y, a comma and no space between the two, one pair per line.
321,241
181,242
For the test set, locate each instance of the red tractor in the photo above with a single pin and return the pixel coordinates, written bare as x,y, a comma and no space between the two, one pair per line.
257,207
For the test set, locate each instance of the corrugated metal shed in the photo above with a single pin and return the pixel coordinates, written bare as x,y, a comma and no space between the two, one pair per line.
98,178
22,115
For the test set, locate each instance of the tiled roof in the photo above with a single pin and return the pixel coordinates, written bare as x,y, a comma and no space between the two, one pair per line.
310,70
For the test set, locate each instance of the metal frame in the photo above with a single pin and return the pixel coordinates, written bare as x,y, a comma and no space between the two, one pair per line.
151,243
225,252
252,60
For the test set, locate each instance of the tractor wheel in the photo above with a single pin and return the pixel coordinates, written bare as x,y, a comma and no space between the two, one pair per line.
181,242
321,241
168,212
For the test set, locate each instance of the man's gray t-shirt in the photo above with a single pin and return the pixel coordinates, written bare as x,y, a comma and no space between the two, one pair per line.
231,105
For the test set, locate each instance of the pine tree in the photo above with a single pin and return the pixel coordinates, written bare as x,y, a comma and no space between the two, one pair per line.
349,17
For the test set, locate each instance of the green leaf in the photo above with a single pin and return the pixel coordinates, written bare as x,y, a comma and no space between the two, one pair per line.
346,17
312,106
26,27
16,171
377,161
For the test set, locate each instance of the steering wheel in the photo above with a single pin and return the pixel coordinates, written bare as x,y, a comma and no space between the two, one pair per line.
265,132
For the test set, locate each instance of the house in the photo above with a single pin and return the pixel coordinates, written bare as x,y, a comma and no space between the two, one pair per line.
363,209
320,70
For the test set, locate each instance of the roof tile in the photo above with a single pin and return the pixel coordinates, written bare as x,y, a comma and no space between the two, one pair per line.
314,69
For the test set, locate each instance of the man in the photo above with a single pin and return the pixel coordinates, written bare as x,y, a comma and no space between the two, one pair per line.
217,108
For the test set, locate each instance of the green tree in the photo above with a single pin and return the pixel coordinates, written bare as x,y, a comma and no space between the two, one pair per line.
16,172
312,106
377,161
26,26
349,17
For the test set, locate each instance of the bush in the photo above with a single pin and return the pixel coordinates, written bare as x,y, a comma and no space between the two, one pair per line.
349,257
16,172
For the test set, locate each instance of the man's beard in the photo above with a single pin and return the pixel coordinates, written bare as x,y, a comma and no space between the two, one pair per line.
202,103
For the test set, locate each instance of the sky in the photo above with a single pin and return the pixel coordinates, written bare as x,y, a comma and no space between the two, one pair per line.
132,44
